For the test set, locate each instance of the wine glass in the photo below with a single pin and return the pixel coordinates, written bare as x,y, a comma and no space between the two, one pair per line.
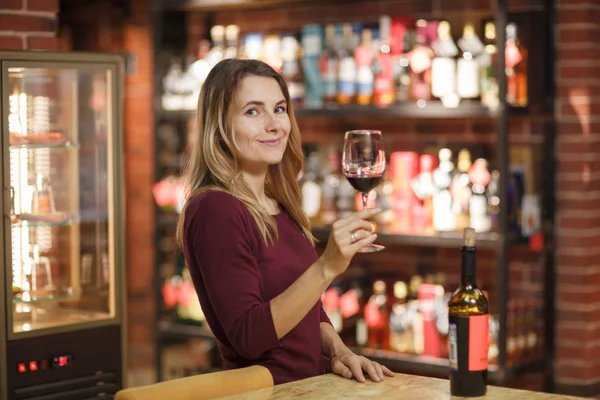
363,162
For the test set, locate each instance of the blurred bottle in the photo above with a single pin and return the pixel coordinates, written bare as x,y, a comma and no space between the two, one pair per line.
377,317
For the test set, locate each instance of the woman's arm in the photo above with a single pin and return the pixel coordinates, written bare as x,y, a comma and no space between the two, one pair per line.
290,307
331,341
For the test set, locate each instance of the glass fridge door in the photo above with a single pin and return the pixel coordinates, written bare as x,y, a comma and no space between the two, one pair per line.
60,124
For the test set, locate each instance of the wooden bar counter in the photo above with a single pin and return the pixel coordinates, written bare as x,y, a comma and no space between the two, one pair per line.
333,387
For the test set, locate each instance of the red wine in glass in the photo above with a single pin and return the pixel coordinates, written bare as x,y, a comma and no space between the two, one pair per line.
363,162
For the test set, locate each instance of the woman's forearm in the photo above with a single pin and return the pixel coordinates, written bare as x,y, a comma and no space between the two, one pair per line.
291,306
331,341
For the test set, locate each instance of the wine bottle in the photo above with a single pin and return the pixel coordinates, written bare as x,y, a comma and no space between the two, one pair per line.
468,329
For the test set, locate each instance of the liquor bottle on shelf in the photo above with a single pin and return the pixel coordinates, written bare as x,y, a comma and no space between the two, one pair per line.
347,69
200,68
429,295
401,44
399,320
217,52
444,219
425,189
330,187
272,52
329,63
468,329
352,310
461,190
232,33
312,45
532,335
188,307
42,198
364,75
443,66
311,190
385,201
252,49
417,336
384,79
492,192
487,61
345,200
331,305
404,166
468,68
290,69
172,98
377,317
478,203
39,275
516,69
494,331
420,65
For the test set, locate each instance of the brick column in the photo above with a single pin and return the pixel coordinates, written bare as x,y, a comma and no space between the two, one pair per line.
28,24
577,362
139,178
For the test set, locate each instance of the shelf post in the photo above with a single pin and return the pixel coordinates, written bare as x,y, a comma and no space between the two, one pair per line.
500,17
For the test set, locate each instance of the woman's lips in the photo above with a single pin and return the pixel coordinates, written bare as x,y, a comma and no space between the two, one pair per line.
272,143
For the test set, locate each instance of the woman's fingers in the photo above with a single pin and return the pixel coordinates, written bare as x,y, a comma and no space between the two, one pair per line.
359,215
365,241
344,235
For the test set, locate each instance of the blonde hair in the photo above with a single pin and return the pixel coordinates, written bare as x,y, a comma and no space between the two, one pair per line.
213,164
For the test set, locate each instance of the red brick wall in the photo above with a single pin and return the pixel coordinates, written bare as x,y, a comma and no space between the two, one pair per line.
578,195
28,24
139,170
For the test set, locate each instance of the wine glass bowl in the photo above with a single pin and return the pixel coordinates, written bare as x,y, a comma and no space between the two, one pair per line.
363,163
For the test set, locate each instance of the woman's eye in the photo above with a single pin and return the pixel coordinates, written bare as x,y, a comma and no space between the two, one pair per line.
280,110
251,112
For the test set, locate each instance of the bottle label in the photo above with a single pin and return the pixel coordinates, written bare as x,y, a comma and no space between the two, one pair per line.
443,76
468,339
347,88
312,45
468,78
373,316
349,304
453,353
311,198
513,55
362,332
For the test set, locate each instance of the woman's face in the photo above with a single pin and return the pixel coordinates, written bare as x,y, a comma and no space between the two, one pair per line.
261,125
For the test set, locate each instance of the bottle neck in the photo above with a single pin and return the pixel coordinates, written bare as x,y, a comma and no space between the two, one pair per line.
468,270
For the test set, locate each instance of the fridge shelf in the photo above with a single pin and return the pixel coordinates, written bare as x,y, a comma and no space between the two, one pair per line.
44,220
47,299
66,146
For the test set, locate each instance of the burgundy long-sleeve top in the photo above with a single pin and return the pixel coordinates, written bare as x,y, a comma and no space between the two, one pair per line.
236,275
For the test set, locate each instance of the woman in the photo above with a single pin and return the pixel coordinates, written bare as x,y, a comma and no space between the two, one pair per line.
248,243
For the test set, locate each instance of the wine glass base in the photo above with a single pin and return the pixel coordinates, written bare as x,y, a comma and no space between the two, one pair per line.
371,248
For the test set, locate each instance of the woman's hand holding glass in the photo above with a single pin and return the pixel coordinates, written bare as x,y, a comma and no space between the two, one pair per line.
348,236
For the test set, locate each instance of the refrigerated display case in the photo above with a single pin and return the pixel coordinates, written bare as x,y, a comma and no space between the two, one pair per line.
62,244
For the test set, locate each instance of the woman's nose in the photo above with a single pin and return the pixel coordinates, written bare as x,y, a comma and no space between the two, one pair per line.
272,122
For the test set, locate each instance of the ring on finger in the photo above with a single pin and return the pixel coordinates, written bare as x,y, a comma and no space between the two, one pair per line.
353,237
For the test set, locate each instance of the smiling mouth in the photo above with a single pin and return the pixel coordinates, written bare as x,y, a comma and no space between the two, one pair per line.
273,142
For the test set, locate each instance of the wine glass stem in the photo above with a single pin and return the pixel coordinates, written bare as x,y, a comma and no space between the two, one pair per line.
365,199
